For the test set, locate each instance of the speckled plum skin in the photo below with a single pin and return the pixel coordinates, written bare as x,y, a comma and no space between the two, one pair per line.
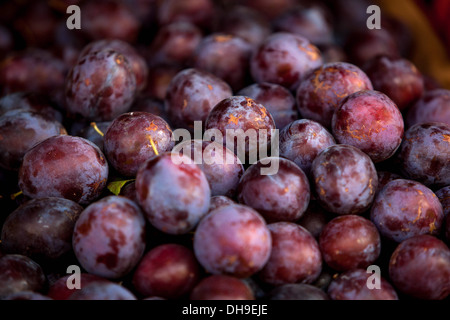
233,240
116,226
303,140
322,91
284,58
127,142
66,167
101,86
350,242
345,179
239,112
41,228
425,152
137,62
295,256
22,130
222,287
103,291
223,176
226,56
406,208
420,268
370,121
278,100
398,78
283,196
433,106
173,196
219,201
352,285
192,94
168,271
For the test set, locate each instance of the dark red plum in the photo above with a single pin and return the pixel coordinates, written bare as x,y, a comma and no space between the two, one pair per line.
345,180
221,287
406,208
424,154
226,56
221,166
201,13
101,86
103,291
315,219
41,228
168,271
444,197
175,43
352,285
295,256
297,291
241,118
322,91
191,96
370,121
350,242
129,191
173,192
136,61
384,177
282,196
398,78
66,167
220,201
433,106
285,59
127,152
116,226
19,273
278,100
420,268
232,240
60,291
302,141
22,130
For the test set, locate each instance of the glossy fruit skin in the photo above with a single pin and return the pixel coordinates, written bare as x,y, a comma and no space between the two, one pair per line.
322,90
174,196
278,100
22,130
65,167
103,290
59,290
226,56
345,180
420,268
221,166
19,273
219,239
370,121
127,152
424,153
136,61
117,227
406,208
239,112
283,196
303,140
285,59
352,285
350,242
221,287
297,291
168,271
101,86
41,228
191,95
433,106
295,256
398,78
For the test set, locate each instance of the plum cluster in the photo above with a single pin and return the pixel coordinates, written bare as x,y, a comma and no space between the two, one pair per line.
115,160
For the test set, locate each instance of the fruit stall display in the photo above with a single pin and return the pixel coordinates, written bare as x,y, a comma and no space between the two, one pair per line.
354,104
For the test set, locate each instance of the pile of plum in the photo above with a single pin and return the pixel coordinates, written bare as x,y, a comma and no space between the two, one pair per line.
88,180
